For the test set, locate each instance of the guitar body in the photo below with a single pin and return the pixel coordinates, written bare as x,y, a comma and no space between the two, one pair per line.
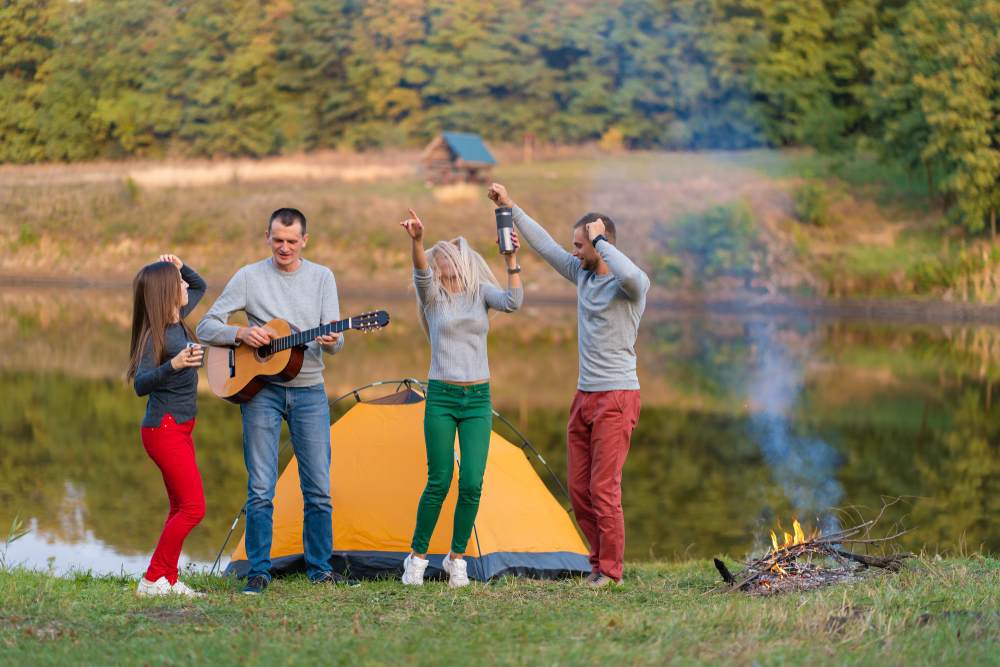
236,374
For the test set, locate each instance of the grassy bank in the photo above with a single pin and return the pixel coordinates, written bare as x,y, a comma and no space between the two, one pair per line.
934,612
814,226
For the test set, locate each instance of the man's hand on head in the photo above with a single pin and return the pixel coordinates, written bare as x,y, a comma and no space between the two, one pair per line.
498,194
595,229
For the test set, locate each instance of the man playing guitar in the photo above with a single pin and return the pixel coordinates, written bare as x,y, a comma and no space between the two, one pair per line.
303,293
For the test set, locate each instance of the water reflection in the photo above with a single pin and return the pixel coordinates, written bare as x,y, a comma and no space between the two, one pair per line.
907,410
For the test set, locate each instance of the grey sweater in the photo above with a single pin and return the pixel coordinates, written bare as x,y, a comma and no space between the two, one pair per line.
171,391
304,298
609,308
457,325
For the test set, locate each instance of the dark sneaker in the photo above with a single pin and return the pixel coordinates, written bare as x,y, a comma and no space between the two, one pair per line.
255,585
601,580
335,579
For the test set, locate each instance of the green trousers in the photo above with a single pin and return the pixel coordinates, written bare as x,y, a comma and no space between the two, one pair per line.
467,410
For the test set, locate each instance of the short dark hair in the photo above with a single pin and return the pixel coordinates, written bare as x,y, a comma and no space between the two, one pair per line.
609,224
287,217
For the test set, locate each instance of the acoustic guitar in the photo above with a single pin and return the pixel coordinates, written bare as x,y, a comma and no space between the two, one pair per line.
238,373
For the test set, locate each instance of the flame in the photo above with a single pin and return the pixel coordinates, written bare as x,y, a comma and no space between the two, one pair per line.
799,535
793,539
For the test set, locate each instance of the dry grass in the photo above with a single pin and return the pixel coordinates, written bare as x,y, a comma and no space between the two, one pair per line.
107,219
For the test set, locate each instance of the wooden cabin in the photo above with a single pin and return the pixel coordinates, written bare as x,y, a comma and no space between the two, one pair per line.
457,157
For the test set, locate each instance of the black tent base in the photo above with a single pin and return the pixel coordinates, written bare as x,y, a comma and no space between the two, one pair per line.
389,565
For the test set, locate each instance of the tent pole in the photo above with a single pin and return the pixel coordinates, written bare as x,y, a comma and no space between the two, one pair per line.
236,520
545,464
479,560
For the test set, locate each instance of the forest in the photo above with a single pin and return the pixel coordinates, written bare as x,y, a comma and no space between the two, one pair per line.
914,82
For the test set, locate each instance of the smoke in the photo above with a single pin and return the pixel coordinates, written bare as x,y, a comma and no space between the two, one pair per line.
803,466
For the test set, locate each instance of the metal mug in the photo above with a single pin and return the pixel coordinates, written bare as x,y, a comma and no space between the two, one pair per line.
195,347
505,229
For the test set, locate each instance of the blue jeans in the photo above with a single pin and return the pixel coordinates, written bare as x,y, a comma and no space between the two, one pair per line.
308,415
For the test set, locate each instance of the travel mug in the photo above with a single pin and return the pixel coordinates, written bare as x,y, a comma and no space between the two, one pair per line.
505,229
195,347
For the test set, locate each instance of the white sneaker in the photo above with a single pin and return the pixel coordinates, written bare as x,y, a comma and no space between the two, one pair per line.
457,570
413,570
180,588
147,588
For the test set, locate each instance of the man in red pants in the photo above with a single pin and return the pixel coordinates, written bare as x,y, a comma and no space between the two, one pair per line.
611,296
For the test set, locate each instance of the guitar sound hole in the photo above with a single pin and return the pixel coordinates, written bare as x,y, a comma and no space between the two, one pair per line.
264,353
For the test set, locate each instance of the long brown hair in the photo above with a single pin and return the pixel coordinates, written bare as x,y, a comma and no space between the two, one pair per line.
156,297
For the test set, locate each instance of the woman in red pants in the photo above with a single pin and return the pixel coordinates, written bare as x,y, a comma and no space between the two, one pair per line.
163,363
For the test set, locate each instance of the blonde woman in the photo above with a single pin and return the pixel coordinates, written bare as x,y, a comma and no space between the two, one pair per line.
455,289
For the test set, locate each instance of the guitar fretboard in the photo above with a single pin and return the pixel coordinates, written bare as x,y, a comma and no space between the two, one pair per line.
304,337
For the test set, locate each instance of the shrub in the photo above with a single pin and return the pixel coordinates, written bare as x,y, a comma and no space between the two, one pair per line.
721,241
812,205
613,140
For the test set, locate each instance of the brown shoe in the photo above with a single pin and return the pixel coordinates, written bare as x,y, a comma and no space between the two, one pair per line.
601,580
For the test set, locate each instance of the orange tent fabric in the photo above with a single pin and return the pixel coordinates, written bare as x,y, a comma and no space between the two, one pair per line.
378,472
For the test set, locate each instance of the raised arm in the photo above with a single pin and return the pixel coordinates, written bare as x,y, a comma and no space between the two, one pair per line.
565,263
510,299
196,288
196,284
214,328
633,281
423,279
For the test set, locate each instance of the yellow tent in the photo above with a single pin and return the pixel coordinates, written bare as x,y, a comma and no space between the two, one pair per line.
378,471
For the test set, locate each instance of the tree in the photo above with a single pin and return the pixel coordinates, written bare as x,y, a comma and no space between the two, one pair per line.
934,98
791,71
218,70
314,50
26,43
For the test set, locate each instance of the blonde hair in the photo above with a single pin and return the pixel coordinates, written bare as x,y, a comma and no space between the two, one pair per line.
470,269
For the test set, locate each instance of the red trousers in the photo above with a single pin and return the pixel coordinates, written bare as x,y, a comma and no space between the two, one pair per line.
172,449
597,441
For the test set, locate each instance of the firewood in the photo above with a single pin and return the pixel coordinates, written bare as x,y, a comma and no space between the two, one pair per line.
727,576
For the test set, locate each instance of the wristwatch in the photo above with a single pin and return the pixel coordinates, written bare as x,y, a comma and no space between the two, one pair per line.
599,237
516,269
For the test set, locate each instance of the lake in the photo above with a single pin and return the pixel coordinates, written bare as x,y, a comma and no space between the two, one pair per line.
747,421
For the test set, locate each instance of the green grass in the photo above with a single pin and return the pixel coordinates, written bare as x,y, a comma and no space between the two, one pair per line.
933,613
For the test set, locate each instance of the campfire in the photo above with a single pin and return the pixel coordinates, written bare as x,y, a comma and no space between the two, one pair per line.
796,562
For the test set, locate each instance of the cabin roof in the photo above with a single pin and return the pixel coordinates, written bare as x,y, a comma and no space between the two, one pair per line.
468,147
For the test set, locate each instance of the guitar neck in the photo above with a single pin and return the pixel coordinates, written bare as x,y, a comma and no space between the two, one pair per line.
304,337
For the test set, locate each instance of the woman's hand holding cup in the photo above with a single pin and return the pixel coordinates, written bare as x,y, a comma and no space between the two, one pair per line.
190,357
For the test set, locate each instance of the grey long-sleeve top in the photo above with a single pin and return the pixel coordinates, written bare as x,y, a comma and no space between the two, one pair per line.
608,309
305,298
457,325
171,391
